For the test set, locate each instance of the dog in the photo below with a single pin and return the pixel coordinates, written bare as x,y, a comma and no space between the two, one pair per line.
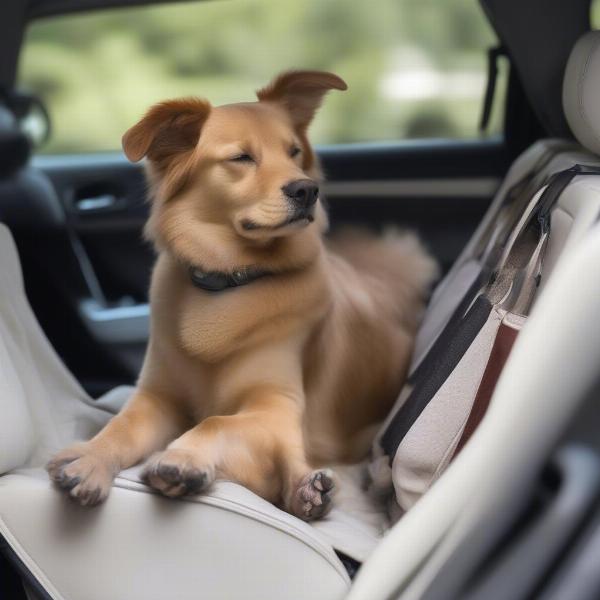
272,354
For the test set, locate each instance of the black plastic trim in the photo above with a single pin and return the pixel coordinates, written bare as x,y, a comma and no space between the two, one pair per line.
11,556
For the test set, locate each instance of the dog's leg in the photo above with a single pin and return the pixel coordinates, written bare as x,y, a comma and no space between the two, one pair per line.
260,447
86,470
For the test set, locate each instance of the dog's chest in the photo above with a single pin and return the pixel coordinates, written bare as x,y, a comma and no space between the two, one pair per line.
213,325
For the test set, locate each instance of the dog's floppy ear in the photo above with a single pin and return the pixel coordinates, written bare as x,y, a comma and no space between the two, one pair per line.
301,92
167,129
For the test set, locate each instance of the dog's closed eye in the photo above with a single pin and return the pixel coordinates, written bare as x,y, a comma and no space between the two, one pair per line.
244,157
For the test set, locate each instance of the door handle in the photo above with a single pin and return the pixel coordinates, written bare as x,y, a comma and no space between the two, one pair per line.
124,324
99,203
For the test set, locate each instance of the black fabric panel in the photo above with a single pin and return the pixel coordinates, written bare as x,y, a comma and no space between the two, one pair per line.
350,564
521,125
450,329
540,52
21,568
442,360
11,586
12,26
14,145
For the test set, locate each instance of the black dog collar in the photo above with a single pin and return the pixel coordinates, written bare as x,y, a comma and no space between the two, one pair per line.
217,281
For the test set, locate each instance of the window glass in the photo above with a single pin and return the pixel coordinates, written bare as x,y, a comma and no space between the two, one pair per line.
595,14
415,68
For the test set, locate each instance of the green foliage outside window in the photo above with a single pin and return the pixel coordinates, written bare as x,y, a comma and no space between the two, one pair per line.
415,68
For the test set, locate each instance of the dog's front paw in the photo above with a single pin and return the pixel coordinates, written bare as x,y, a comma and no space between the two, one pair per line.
177,473
312,498
83,475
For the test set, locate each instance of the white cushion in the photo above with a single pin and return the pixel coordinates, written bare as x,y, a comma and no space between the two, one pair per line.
425,450
231,544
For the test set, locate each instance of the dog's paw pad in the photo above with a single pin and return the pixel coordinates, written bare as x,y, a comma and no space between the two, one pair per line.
82,475
312,498
172,475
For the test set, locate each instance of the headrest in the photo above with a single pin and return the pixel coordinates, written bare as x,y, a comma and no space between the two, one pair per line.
581,91
14,145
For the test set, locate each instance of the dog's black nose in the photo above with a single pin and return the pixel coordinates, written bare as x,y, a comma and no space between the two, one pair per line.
302,192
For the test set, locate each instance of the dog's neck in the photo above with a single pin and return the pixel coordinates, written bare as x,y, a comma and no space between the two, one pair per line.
224,257
214,248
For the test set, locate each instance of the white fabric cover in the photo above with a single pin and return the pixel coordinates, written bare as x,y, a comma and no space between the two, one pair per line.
430,443
37,391
542,385
225,544
444,301
450,290
427,448
581,91
17,440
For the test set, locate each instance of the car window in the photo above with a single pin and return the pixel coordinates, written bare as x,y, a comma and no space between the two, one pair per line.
415,68
595,14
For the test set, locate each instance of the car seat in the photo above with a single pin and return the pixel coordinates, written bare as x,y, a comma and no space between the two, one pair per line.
231,544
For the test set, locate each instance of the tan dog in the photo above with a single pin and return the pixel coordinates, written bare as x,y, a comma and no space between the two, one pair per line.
269,354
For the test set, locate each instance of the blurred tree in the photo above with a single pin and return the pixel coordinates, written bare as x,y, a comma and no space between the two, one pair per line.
429,121
99,71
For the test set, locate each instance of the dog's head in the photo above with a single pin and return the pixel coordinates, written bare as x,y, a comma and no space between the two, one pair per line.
246,168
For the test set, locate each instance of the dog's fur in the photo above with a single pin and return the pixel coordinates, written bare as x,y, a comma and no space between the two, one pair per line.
264,383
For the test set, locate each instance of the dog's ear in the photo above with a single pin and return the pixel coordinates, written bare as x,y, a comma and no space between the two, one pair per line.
166,130
301,93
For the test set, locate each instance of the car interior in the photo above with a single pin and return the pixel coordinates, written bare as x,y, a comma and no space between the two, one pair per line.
469,492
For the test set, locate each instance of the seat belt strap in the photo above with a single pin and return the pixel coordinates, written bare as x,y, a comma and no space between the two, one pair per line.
431,379
490,91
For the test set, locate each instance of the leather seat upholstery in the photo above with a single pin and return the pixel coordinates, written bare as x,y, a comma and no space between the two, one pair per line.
137,545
